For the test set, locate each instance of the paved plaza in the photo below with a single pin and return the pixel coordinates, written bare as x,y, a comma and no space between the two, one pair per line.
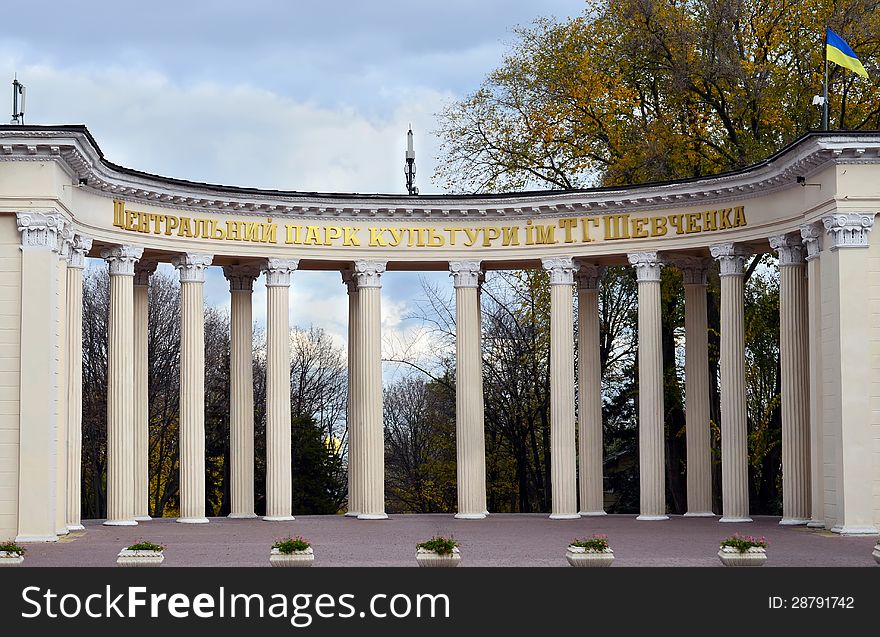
500,540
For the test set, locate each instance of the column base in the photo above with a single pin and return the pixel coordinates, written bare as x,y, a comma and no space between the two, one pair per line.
486,512
591,514
652,518
470,516
192,520
794,522
119,523
815,524
36,538
699,514
565,516
241,516
142,518
278,518
62,531
734,519
75,527
855,530
372,516
351,514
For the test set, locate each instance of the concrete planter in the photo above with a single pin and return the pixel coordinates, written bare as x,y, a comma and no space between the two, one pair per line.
876,552
295,559
755,556
127,557
580,557
428,558
10,559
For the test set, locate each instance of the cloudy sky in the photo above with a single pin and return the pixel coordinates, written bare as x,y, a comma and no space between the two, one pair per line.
291,95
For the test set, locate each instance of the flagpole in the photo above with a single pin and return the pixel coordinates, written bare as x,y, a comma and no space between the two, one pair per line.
825,90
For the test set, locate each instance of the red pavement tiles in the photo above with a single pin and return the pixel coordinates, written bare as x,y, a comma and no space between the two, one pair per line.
499,540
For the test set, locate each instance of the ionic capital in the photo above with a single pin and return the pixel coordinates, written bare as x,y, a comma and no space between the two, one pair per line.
465,274
694,270
561,270
121,259
647,265
731,258
349,280
143,270
41,230
790,249
192,266
278,271
848,230
367,274
241,277
65,241
589,275
78,249
811,236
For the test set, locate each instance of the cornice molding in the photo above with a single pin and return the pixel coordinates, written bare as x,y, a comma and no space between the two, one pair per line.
75,151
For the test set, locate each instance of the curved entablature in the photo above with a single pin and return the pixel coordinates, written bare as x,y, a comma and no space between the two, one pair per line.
819,174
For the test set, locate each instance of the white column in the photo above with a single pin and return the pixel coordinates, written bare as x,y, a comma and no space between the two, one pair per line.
75,264
279,483
61,413
811,235
142,272
469,433
848,373
241,388
355,447
734,428
37,467
793,359
192,386
652,476
120,386
563,454
696,374
372,463
592,501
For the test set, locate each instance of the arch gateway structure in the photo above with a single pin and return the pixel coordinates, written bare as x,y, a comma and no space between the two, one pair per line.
814,203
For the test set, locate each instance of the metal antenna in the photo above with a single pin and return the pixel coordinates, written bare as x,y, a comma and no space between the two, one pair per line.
18,94
409,169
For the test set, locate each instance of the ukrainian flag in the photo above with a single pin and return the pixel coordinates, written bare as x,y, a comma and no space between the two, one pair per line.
838,51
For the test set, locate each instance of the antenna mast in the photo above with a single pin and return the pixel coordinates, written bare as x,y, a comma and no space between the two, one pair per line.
18,94
409,169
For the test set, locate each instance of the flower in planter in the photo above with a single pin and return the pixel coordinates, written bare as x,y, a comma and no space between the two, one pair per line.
596,543
439,545
290,545
438,551
743,543
292,551
12,548
146,546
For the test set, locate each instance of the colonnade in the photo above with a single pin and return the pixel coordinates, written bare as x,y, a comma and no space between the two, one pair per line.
576,435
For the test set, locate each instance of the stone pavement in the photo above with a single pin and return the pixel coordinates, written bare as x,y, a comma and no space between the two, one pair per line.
499,540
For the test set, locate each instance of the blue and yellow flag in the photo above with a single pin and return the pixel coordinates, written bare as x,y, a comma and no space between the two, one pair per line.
838,51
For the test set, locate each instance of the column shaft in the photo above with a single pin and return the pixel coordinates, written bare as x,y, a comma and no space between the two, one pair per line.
469,435
120,386
652,477
143,270
241,404
734,430
61,414
372,465
355,447
696,372
793,327
192,387
279,478
80,246
590,393
563,454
